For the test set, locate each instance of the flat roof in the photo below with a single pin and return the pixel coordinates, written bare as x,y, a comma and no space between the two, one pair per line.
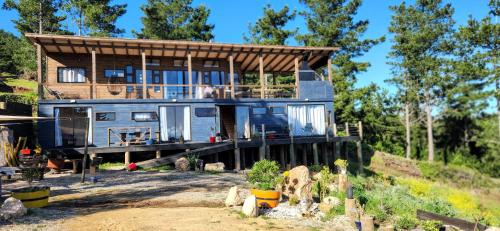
276,58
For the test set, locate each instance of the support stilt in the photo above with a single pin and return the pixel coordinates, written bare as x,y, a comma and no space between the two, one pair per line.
315,153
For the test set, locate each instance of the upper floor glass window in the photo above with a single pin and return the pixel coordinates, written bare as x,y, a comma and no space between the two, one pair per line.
180,63
211,63
70,75
144,116
152,62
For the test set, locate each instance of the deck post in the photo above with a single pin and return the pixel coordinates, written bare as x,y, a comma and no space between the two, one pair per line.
330,71
359,147
237,154
93,167
297,80
158,154
282,156
334,129
127,154
304,154
190,75
94,75
243,158
347,129
315,153
144,79
231,75
324,153
262,148
261,76
39,70
293,161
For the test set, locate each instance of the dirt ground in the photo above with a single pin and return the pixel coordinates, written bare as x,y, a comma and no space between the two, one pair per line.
146,201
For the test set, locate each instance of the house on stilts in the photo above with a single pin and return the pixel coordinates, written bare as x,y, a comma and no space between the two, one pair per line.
165,97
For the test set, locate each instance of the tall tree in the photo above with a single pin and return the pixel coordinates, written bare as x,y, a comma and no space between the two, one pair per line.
175,19
8,45
36,16
422,40
332,23
269,30
95,17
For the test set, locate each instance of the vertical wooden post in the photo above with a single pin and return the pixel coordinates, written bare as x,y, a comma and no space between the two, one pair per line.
347,129
324,153
282,156
262,148
127,154
93,167
334,129
261,76
304,154
144,79
359,147
360,130
85,150
243,158
39,70
190,75
237,155
231,75
158,154
330,71
297,79
216,156
94,75
315,153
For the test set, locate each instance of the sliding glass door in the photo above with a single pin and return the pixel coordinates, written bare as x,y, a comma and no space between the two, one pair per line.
175,121
306,120
243,122
70,124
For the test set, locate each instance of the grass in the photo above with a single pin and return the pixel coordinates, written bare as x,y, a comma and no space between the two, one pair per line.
16,82
110,165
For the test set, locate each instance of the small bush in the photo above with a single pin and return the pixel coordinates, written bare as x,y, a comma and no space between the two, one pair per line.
293,200
430,225
406,221
264,175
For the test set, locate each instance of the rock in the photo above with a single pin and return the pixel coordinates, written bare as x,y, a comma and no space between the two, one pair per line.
492,229
233,197
367,223
182,164
215,167
386,227
332,187
250,207
12,208
332,201
307,208
325,208
453,228
298,183
317,176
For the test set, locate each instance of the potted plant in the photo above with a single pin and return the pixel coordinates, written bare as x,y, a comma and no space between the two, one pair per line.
32,166
265,176
193,160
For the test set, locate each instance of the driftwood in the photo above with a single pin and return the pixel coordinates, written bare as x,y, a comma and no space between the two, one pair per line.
6,138
459,223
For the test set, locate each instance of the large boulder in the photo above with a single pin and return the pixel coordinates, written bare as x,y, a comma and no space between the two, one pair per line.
12,208
215,167
298,183
182,164
250,207
233,197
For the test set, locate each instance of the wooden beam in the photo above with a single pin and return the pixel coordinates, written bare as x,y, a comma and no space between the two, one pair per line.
94,75
144,90
330,71
190,75
231,75
39,73
297,80
261,75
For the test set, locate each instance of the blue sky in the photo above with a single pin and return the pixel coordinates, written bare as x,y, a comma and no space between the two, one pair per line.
231,19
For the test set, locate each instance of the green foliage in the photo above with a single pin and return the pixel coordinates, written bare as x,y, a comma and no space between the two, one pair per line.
453,174
28,98
406,222
16,82
175,20
111,165
264,174
8,45
269,30
293,200
192,159
29,15
430,225
95,17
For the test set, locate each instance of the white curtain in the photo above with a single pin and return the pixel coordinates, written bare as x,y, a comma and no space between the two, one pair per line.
57,128
163,124
187,123
72,75
89,116
304,120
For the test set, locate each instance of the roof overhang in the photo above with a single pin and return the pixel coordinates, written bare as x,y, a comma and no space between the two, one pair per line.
276,58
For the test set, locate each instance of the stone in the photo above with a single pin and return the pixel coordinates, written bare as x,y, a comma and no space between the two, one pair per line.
233,197
250,207
325,208
386,227
307,208
317,176
367,223
328,203
453,228
12,208
492,229
215,167
182,164
298,183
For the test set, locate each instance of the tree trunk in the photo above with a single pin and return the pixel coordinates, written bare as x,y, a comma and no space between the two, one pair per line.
497,86
408,130
40,18
430,137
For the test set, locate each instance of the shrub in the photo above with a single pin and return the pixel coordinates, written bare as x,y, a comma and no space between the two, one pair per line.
264,174
293,200
406,221
430,225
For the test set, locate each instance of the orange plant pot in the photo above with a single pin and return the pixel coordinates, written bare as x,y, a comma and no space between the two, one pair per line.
266,198
55,164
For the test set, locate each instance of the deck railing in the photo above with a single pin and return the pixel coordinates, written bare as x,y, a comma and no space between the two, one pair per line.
165,91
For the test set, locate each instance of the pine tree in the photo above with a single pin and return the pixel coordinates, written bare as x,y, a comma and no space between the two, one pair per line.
269,30
421,42
175,20
8,45
97,17
36,16
331,23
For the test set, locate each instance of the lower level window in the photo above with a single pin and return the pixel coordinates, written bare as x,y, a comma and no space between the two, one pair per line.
70,75
144,116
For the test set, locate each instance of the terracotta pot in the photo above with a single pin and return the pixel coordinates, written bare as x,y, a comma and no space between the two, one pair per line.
266,198
55,164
